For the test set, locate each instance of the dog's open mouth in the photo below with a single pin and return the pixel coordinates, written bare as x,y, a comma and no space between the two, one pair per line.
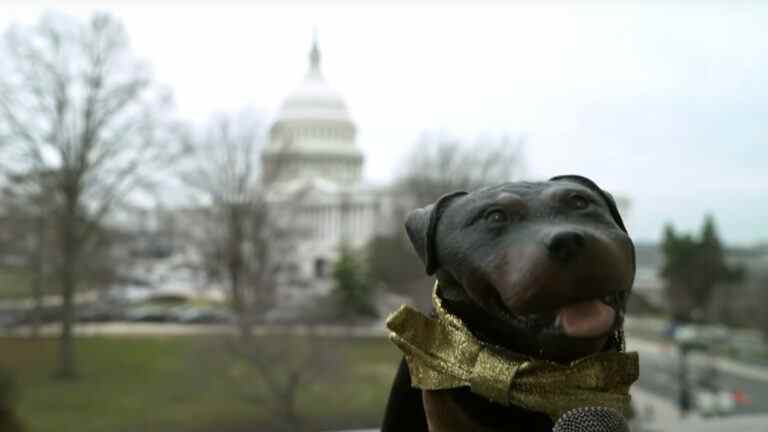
586,319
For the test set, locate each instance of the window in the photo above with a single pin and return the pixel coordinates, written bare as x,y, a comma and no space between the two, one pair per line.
320,268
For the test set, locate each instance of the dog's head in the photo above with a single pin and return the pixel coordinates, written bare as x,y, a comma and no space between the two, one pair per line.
543,268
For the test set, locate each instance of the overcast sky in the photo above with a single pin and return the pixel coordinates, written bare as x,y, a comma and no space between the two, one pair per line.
664,102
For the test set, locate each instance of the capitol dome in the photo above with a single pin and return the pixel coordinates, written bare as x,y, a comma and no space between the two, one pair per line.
313,135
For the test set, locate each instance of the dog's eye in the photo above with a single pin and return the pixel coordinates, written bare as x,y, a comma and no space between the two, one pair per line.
496,216
578,201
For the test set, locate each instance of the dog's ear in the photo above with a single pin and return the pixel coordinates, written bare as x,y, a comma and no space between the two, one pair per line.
416,227
607,197
421,226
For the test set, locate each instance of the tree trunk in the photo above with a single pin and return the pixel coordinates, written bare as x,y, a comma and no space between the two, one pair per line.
288,399
66,367
38,279
70,249
239,303
236,267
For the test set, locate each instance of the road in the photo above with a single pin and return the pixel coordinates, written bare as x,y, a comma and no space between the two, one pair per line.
659,366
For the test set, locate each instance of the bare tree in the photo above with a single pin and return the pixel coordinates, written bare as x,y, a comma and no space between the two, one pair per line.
304,360
438,164
81,117
241,243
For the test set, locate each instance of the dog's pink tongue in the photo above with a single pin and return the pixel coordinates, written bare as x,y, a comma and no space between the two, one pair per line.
587,319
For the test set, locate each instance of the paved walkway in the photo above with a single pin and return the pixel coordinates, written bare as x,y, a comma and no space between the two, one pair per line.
48,300
176,329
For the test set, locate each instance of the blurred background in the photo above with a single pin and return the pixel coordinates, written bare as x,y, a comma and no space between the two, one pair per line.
201,205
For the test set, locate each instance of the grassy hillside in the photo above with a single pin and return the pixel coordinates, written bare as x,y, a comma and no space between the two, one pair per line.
197,384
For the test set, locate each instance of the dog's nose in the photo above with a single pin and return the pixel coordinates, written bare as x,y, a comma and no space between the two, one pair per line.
566,245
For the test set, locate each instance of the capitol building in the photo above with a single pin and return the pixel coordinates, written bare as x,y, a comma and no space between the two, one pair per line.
313,168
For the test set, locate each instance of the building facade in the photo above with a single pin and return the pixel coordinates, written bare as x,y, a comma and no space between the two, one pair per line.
314,171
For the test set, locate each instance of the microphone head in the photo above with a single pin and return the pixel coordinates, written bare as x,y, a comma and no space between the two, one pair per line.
591,419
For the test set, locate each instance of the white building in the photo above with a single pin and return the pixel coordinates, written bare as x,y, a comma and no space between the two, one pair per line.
314,170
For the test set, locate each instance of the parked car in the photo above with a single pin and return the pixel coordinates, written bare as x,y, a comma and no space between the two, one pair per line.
99,313
714,402
10,319
150,313
710,398
202,315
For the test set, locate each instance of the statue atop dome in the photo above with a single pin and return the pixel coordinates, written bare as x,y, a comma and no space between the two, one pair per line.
314,57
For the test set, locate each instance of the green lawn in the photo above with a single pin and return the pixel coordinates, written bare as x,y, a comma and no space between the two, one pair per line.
197,384
14,283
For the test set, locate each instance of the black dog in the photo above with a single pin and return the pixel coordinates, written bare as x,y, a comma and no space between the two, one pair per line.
543,269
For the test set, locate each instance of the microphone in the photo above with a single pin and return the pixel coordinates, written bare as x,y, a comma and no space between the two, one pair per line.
591,419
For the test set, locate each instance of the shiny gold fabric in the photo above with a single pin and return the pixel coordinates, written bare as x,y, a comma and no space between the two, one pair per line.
442,353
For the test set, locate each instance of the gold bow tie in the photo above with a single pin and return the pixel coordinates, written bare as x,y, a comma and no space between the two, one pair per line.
442,353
